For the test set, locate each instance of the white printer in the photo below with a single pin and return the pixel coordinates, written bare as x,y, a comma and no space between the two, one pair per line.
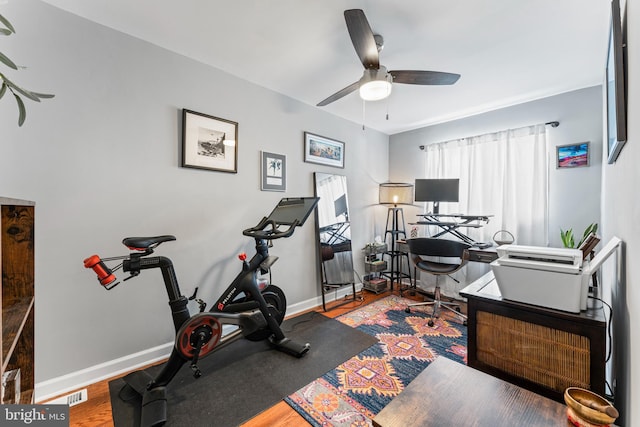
550,277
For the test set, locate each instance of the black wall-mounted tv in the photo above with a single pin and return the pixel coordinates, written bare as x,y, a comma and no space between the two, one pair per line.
437,190
615,86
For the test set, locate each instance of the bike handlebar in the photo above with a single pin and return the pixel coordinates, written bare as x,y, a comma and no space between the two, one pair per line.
260,231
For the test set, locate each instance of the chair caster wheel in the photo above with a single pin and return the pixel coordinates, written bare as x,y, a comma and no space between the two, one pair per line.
430,323
407,310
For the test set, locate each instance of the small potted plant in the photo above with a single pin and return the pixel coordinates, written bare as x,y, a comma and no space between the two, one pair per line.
568,239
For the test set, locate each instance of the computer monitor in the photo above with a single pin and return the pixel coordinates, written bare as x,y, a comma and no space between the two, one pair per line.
436,191
340,207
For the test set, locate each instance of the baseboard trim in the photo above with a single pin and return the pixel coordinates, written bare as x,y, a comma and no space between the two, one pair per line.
54,387
317,301
49,389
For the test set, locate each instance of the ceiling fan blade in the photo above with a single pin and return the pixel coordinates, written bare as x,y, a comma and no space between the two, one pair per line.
362,38
339,94
424,77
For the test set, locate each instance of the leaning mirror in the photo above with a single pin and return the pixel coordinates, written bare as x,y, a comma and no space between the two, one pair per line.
333,233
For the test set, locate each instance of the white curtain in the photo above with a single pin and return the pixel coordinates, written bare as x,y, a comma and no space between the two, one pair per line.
504,174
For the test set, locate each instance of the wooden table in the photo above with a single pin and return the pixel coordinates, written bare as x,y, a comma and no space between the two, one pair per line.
448,393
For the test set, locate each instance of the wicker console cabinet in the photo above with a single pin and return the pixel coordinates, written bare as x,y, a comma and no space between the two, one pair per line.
539,349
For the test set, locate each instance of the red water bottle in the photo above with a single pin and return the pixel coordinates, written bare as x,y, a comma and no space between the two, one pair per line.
105,275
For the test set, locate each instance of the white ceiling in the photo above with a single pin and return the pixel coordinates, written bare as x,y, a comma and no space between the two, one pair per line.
507,51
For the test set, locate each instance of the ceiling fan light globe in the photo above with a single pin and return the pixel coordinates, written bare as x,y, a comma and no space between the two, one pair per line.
375,90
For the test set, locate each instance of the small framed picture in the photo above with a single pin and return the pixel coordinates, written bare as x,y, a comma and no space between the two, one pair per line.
322,150
273,171
209,142
572,155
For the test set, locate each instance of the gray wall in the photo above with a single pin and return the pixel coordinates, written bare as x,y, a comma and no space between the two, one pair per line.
101,160
621,217
574,194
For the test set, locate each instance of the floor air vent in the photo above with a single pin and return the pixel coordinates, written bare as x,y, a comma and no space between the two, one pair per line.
71,399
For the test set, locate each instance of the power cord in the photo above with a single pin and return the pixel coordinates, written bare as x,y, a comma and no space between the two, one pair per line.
610,338
609,335
292,325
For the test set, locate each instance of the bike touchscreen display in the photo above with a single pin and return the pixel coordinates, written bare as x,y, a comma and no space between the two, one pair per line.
291,209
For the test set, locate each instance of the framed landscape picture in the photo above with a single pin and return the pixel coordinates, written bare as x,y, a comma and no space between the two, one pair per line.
615,86
572,155
273,172
209,142
323,150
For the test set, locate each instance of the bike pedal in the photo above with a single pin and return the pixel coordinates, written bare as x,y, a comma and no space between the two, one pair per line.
196,371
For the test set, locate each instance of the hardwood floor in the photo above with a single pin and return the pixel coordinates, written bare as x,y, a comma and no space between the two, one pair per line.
96,412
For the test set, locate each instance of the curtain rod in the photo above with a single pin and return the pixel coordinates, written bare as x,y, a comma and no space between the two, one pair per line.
553,124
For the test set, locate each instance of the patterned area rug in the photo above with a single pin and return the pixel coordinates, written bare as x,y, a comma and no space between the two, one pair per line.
354,392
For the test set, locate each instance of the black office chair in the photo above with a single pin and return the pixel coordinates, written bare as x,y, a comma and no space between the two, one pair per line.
426,254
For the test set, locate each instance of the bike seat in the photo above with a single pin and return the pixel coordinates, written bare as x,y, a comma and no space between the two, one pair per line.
142,243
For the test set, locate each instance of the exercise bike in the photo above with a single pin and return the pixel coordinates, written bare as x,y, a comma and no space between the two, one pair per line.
256,307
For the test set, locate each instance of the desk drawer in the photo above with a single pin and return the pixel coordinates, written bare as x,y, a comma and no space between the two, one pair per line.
477,255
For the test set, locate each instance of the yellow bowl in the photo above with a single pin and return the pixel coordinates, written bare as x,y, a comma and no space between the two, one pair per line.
574,395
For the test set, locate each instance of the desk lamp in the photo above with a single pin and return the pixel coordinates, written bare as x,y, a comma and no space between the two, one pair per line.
396,193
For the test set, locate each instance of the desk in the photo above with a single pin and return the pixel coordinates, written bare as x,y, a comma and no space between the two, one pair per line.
450,223
448,393
335,233
541,349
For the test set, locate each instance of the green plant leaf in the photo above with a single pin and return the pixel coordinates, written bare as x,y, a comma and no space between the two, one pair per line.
592,228
6,61
23,92
567,238
8,84
21,109
43,95
7,24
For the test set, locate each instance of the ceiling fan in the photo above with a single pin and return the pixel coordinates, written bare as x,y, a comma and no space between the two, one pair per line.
376,81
